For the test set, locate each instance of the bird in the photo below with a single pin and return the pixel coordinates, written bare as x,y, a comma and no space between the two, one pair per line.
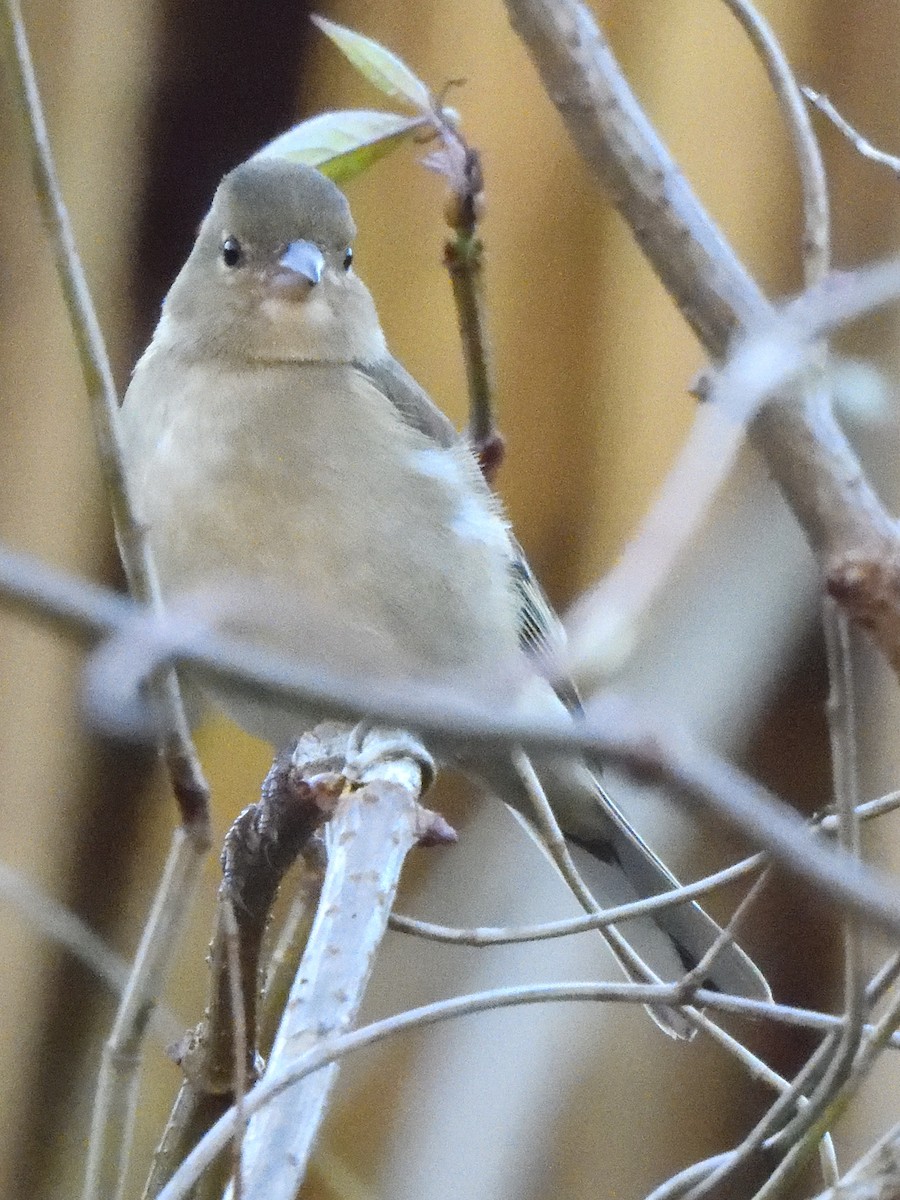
282,461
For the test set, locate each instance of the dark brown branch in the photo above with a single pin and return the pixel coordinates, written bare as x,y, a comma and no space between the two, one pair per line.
460,165
260,847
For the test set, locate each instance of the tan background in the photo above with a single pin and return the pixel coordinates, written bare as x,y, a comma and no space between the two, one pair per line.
592,366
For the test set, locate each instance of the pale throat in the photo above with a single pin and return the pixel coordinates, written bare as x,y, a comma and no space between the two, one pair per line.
311,331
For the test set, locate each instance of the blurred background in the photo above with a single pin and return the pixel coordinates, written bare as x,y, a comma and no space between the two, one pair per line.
149,102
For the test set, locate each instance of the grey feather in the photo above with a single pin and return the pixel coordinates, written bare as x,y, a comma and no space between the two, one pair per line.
411,401
541,634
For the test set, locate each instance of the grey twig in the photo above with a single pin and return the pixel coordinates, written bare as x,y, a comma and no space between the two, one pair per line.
116,1094
675,1023
860,144
115,1103
876,1176
762,1142
838,1101
60,925
842,731
189,786
488,936
813,182
498,936
320,1056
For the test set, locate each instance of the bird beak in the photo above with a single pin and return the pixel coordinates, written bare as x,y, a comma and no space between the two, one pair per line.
301,264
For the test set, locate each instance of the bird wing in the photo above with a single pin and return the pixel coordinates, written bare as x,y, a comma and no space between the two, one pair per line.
411,401
541,634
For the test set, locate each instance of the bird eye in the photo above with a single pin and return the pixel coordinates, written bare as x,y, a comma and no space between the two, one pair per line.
348,259
231,252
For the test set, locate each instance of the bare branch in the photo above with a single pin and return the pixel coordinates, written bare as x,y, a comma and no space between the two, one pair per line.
464,260
789,1167
260,847
367,840
116,1094
188,784
860,144
320,1056
814,185
115,1102
62,926
805,450
876,1176
243,1046
487,936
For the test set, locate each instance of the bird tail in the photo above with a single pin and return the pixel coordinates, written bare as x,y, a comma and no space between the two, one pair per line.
619,867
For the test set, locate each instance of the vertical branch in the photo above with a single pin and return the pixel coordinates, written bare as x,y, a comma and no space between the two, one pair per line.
219,1057
460,164
117,1087
813,182
188,784
116,1098
367,841
464,259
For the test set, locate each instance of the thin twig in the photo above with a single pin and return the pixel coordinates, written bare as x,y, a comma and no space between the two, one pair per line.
790,1166
429,1014
879,1166
725,937
677,1186
842,733
489,936
61,925
460,164
116,1096
241,1042
816,259
551,834
189,786
687,1016
705,1181
860,144
552,838
867,811
814,185
625,593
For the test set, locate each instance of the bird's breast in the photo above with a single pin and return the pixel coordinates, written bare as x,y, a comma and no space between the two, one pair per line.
308,515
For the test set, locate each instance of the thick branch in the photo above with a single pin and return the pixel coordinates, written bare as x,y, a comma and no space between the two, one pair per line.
367,840
854,538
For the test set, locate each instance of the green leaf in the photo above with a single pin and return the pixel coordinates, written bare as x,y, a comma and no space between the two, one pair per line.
379,65
344,144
